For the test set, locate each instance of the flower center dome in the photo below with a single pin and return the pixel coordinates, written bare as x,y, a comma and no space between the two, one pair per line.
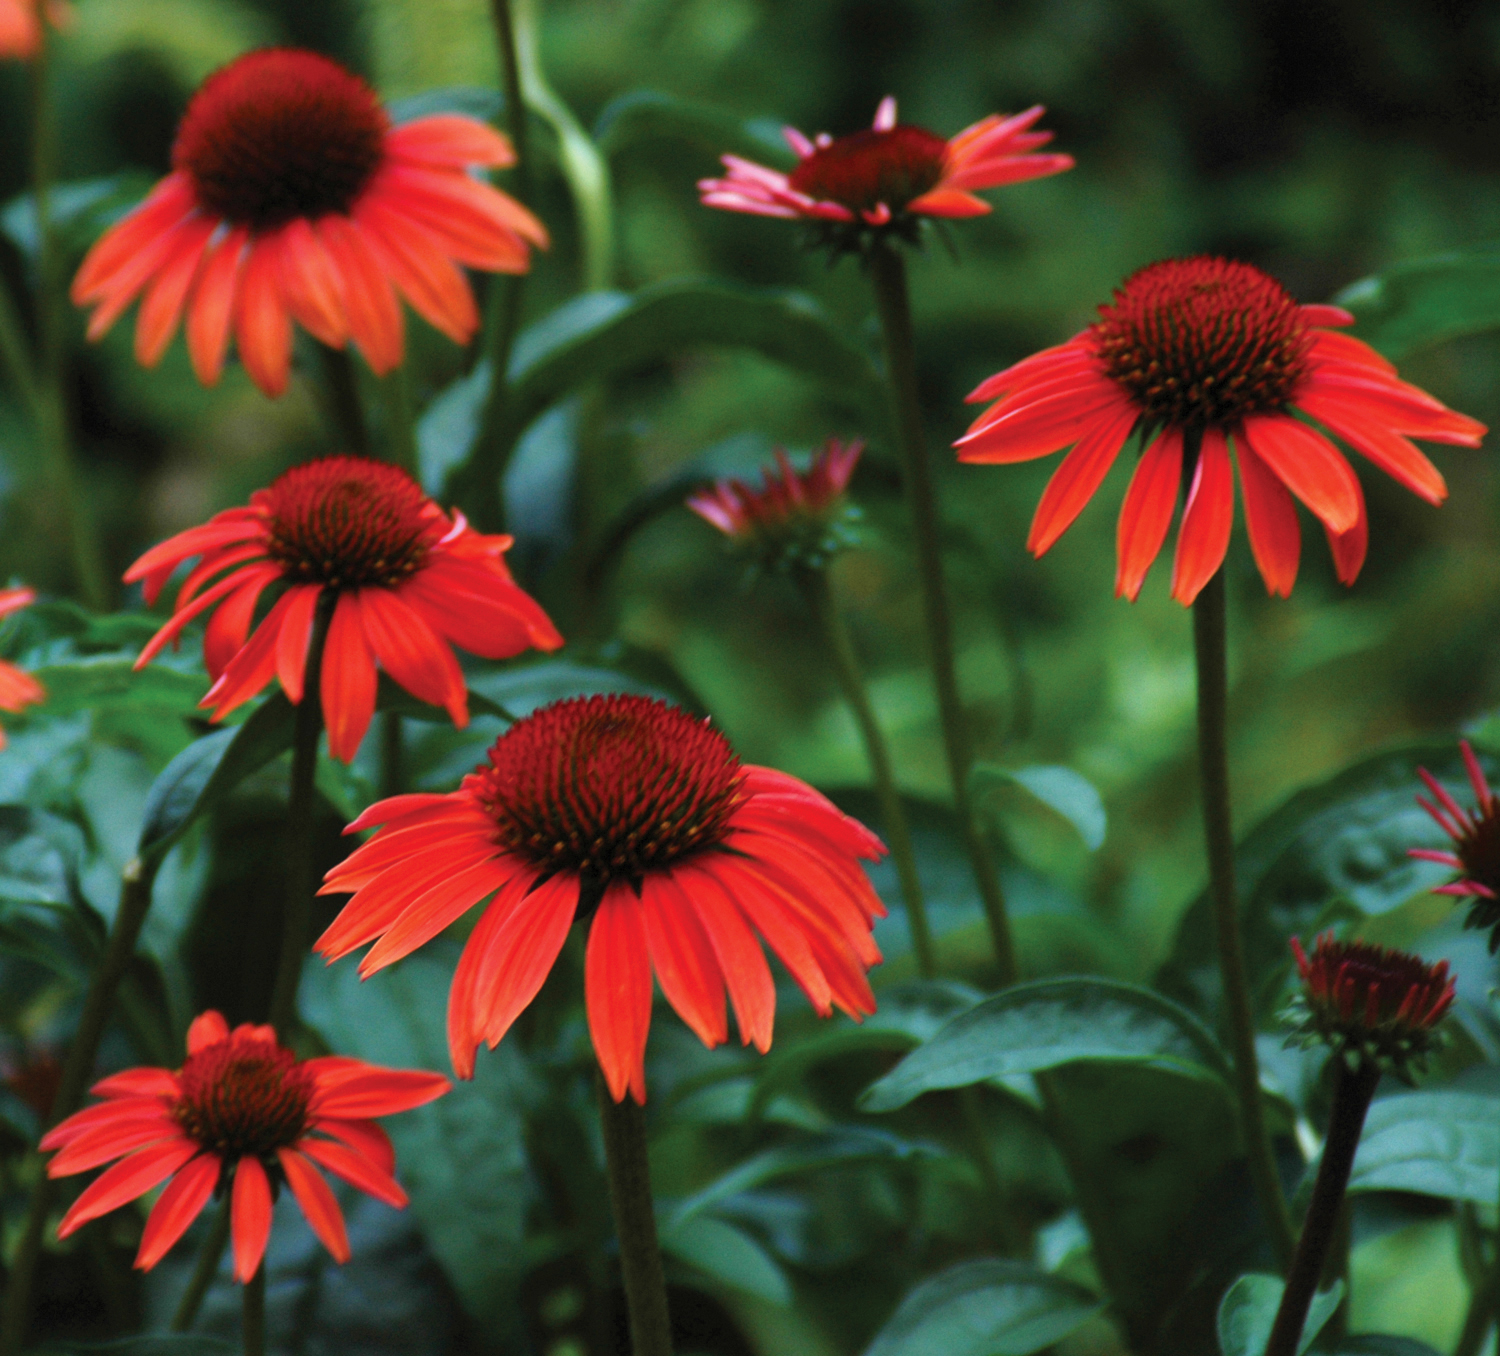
280,134
867,168
610,787
348,522
243,1096
1479,851
1202,341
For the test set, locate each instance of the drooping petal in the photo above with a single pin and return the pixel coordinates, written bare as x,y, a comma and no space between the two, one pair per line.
250,1216
1270,520
138,1083
362,1137
617,985
1349,547
179,1204
112,1140
415,262
262,325
317,1202
1081,472
1389,451
1146,513
252,667
116,1111
429,913
130,1177
108,264
212,309
1203,538
311,284
293,636
351,1090
356,1170
683,959
411,653
1310,467
163,304
373,313
449,139
348,681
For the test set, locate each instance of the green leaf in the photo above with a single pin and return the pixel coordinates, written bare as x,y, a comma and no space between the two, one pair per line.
1249,1311
518,690
1061,789
1425,301
986,1307
729,1255
1049,1023
94,681
648,114
1382,1344
1444,1144
155,1344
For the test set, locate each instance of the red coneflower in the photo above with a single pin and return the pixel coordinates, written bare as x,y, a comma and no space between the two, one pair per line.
1194,353
1476,845
18,689
887,177
640,816
409,582
241,1114
21,24
293,198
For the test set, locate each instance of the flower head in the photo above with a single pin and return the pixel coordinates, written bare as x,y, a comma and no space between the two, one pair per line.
1369,1004
886,179
292,197
796,517
639,817
405,583
21,24
1196,354
1476,845
242,1115
18,689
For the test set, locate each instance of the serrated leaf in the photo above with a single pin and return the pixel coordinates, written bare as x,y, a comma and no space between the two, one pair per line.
1061,789
1049,1023
986,1307
1249,1309
1425,301
648,114
729,1255
1444,1144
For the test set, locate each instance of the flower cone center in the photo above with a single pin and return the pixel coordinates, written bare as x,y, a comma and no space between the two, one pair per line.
610,787
280,134
1479,851
1364,987
868,168
348,522
242,1096
1202,341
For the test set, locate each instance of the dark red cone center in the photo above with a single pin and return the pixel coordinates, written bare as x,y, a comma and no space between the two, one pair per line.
349,523
280,134
868,168
1202,341
610,787
1479,851
242,1096
1361,985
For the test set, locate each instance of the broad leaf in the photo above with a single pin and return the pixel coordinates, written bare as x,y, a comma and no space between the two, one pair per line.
1249,1311
728,1254
1067,793
648,115
93,681
986,1307
1382,1344
1424,301
1443,1144
1042,1025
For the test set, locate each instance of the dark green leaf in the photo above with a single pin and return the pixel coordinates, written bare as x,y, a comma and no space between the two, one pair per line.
1382,1344
1053,1022
648,114
1068,793
1424,301
1443,1144
94,681
1249,1310
728,1254
521,689
986,1307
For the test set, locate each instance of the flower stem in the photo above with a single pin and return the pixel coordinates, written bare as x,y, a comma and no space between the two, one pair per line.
255,1313
119,951
888,276
400,431
204,1270
624,1126
818,592
504,317
341,388
1213,767
1352,1091
297,913
1484,1304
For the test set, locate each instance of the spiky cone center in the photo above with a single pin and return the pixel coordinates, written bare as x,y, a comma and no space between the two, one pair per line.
348,522
1202,341
1368,1003
870,167
609,787
1479,848
243,1097
280,134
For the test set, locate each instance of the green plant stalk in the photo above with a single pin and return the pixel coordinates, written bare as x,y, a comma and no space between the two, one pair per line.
204,1270
1209,650
624,1127
817,590
1484,1305
341,388
888,277
119,951
400,430
254,1331
1352,1091
506,289
301,792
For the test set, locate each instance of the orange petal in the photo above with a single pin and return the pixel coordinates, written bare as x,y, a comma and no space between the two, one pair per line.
356,1170
130,1177
1146,513
752,991
161,310
317,1202
250,1212
176,1208
212,307
1349,547
208,1028
1309,466
263,327
1079,475
312,286
683,959
415,262
1270,521
1203,538
348,681
374,315
450,139
617,986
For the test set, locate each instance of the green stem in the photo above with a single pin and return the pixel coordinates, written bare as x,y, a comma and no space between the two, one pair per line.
1209,648
341,393
400,430
204,1270
1484,1301
392,760
1352,1091
624,1127
255,1313
119,951
297,915
506,289
817,590
888,276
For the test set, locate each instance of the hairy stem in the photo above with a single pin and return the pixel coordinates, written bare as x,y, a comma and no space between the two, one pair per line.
818,591
888,276
1209,648
119,950
204,1270
255,1313
624,1126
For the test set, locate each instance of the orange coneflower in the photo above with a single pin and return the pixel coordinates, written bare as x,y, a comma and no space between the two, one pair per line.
1196,354
638,816
240,1114
292,197
409,583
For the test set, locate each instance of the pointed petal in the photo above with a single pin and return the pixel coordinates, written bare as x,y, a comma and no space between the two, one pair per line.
356,1170
466,1018
1389,451
251,1215
263,329
1270,520
752,991
1310,467
1203,538
293,637
213,305
433,910
165,299
356,1090
449,139
1349,547
130,1177
348,681
1078,476
1146,513
373,313
176,1208
683,959
312,286
317,1202
617,984
415,262
411,653
362,1137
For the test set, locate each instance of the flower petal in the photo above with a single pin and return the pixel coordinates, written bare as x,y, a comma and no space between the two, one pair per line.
617,985
1078,476
1146,513
1203,538
317,1202
1270,520
213,305
356,1170
347,681
130,1177
263,328
176,1208
412,653
683,959
1310,467
250,1212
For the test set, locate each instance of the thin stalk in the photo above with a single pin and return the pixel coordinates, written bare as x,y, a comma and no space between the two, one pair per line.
392,755
624,1126
888,277
341,395
254,1332
297,915
52,416
818,592
1209,649
204,1270
504,317
15,357
1484,1302
1352,1091
400,429
119,950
